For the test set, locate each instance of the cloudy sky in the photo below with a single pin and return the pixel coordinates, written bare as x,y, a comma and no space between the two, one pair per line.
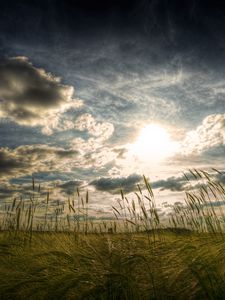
94,94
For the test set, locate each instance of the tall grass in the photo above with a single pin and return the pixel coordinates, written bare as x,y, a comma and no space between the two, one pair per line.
139,254
202,210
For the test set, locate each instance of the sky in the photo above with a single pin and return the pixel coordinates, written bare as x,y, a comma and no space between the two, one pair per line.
94,94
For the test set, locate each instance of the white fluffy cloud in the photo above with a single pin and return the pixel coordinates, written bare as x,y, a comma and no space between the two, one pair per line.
101,130
32,97
209,134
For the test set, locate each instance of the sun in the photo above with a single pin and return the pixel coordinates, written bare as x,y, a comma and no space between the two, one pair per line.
153,144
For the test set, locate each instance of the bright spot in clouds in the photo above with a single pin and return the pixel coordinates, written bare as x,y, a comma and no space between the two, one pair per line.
153,144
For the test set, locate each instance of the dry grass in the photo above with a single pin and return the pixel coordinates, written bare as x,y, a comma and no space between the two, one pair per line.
141,258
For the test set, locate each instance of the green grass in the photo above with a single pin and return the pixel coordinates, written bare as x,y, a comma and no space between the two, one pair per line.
137,255
172,265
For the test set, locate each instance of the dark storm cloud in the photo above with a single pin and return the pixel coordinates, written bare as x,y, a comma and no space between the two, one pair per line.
25,160
181,183
11,191
30,96
9,162
42,177
220,177
215,203
66,153
114,185
70,187
172,183
7,191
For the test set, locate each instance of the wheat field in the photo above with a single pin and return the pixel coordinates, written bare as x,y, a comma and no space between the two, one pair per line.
136,255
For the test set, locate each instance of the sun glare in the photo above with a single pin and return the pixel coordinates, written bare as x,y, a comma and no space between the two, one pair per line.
153,144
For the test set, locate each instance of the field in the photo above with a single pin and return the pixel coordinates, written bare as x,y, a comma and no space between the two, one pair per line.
172,265
135,256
